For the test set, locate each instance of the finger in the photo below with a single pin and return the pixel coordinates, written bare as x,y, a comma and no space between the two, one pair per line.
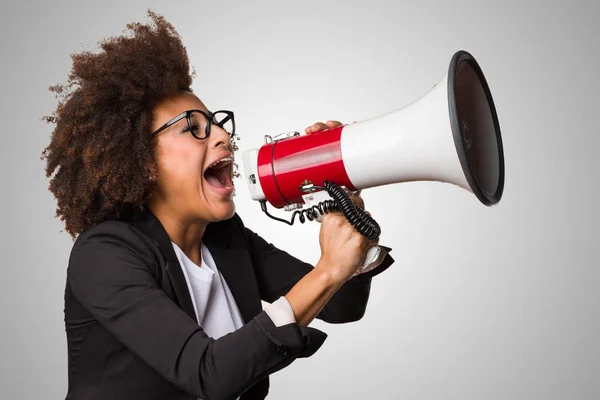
353,193
316,127
332,216
373,243
320,126
358,201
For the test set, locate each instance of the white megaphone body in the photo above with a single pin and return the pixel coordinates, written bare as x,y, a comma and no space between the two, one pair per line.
450,135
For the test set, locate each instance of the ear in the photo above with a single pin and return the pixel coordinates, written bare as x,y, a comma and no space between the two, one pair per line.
152,171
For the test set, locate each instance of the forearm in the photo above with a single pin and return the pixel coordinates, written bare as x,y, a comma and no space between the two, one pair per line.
312,293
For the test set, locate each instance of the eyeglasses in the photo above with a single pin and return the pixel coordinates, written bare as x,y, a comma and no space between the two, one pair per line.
196,119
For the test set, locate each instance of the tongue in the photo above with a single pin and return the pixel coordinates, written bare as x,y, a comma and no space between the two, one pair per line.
214,181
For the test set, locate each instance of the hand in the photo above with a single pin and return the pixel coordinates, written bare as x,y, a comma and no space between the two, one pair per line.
343,248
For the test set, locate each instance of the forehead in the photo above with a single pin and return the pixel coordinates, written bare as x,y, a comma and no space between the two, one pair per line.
175,105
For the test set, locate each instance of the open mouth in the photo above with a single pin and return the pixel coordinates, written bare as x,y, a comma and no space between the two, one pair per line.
219,175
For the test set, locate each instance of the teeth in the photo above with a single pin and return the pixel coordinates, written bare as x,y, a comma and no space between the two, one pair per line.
222,160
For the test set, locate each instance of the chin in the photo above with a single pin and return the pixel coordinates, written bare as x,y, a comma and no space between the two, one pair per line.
224,212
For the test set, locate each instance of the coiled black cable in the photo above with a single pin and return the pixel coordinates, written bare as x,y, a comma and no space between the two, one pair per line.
361,221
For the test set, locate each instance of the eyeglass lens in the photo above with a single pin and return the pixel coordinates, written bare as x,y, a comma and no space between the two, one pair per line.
197,123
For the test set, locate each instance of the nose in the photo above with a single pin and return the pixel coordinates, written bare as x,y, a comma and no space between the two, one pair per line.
219,137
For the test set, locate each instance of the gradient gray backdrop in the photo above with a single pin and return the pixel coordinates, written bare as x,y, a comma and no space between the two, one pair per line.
482,303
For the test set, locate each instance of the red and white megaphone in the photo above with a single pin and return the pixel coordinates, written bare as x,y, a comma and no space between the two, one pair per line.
451,135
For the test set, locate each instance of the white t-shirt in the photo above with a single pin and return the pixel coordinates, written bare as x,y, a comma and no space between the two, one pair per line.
216,309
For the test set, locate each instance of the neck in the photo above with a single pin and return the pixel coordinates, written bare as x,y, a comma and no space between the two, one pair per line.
184,231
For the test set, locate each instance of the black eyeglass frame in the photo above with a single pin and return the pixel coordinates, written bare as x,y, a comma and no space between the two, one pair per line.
209,121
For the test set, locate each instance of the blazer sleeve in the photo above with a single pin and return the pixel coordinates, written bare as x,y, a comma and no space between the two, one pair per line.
112,273
278,271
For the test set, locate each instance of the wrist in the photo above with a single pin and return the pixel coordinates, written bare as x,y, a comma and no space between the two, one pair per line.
327,275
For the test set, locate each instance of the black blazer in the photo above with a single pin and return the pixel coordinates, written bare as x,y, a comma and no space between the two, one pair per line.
131,328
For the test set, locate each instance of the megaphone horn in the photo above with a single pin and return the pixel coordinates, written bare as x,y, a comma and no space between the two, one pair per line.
451,134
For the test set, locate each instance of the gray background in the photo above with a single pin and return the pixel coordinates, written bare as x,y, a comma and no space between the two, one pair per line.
482,303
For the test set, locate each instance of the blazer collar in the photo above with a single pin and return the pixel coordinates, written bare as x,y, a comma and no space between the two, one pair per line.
229,253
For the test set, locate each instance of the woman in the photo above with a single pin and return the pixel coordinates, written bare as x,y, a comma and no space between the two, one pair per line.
164,282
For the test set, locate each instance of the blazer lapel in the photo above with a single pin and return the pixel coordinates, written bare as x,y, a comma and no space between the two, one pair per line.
234,263
152,227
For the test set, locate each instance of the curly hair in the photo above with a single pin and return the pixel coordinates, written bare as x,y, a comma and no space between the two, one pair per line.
101,152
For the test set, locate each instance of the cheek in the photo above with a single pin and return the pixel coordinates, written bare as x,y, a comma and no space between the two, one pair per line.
179,163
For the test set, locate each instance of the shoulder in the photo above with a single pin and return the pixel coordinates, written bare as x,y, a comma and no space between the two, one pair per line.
111,242
118,233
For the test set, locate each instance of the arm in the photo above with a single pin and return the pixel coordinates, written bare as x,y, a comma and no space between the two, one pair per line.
111,273
278,272
306,307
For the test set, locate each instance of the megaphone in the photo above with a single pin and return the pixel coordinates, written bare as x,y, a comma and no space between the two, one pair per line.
450,135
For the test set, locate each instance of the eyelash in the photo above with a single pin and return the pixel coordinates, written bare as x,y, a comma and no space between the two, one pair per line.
187,128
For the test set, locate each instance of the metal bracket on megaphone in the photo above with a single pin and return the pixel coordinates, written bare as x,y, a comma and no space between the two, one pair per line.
281,136
313,198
